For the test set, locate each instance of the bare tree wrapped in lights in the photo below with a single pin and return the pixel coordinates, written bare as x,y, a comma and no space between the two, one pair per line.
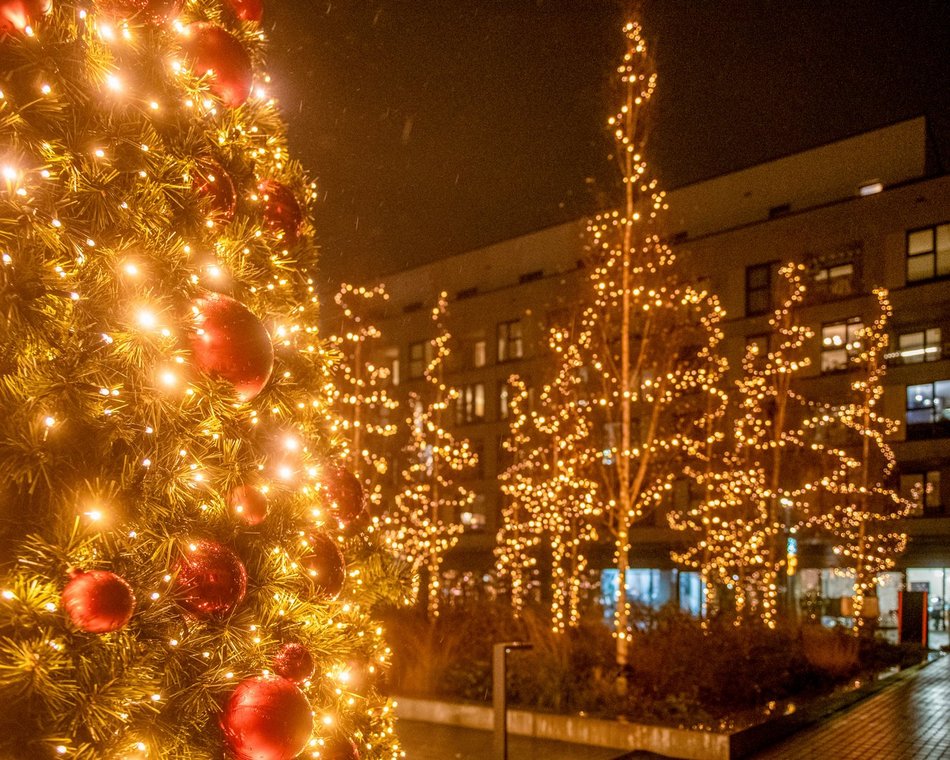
771,468
645,336
425,524
173,583
552,499
865,506
365,409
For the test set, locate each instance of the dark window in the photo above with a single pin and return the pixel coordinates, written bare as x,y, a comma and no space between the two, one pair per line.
761,342
510,344
758,289
928,253
840,343
419,355
922,488
470,405
928,410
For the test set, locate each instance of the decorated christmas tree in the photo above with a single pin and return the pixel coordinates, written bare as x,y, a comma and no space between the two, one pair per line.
185,573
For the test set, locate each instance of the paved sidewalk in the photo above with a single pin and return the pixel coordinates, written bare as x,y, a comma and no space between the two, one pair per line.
907,721
430,741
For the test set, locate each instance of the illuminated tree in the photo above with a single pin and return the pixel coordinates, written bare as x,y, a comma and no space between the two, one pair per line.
552,500
172,584
425,524
364,407
865,509
645,337
771,468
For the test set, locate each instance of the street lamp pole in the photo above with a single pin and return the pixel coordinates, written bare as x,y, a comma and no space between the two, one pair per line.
500,693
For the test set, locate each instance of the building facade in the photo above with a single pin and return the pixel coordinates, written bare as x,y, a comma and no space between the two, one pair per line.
864,212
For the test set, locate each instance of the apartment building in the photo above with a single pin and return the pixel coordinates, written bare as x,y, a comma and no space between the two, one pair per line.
867,211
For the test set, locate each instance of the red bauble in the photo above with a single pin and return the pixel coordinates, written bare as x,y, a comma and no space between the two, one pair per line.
214,183
345,493
98,601
294,662
247,10
157,11
267,718
17,15
325,566
230,343
211,579
215,51
248,504
339,748
282,213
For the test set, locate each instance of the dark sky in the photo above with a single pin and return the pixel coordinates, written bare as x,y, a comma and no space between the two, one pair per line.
436,126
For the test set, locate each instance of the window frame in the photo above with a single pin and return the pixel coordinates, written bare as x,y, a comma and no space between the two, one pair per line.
768,268
504,341
467,403
922,474
849,353
933,253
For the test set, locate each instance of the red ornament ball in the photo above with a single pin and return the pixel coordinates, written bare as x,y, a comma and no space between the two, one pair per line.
156,11
232,344
345,492
98,601
339,748
17,15
211,579
215,51
247,10
282,213
215,184
248,504
294,662
325,566
267,718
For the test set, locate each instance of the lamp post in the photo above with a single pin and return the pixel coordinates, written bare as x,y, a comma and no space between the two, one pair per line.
500,693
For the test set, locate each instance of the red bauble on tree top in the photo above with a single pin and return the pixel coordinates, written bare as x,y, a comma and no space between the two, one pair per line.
339,748
17,15
211,579
345,494
98,601
157,11
325,566
267,718
214,183
282,212
215,51
247,10
249,504
232,344
294,662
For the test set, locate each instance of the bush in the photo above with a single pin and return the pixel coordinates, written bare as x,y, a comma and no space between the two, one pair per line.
680,671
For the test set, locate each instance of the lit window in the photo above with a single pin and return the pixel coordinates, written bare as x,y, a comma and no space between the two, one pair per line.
470,405
835,281
918,346
479,353
840,343
510,344
504,401
922,488
928,404
928,253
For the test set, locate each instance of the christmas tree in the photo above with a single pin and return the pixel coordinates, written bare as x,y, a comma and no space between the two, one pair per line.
425,525
185,573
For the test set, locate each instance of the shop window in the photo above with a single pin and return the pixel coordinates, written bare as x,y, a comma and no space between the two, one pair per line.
840,343
928,253
510,342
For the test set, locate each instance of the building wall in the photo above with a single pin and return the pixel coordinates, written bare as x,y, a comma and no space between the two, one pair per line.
826,224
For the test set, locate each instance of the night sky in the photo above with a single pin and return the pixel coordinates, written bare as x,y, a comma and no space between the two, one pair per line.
437,126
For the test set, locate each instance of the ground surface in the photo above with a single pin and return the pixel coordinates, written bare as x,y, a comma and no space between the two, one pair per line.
907,721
